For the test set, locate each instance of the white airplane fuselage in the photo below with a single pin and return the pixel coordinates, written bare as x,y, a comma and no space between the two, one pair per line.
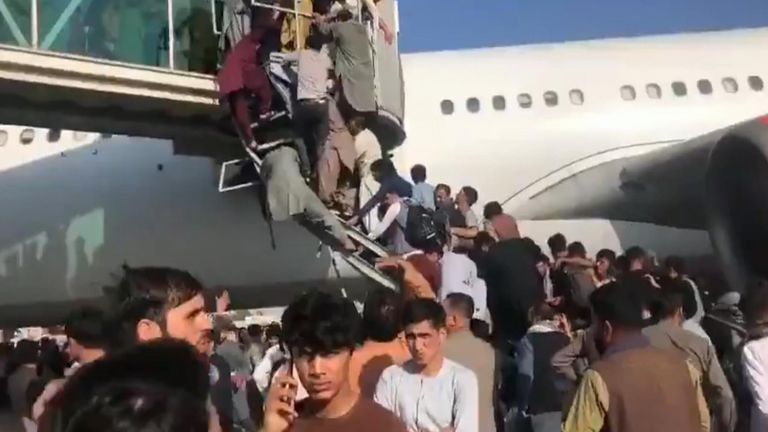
76,207
511,154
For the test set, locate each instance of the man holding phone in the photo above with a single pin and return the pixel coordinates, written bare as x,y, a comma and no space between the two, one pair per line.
321,331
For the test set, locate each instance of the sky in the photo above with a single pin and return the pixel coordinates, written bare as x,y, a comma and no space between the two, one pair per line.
432,25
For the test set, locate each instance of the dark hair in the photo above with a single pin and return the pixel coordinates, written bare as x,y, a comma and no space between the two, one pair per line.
418,173
344,15
26,352
635,253
557,243
422,309
492,209
542,258
577,249
480,329
315,40
531,248
87,325
619,304
483,238
670,299
273,330
51,360
140,407
146,293
461,303
541,312
755,304
381,315
148,363
318,322
606,254
255,332
471,194
384,167
622,263
444,187
676,263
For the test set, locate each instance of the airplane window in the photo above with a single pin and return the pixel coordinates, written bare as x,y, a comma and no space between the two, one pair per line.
756,83
628,93
473,105
3,137
54,135
446,107
524,100
27,136
499,103
550,98
705,87
653,91
730,85
679,88
106,135
577,97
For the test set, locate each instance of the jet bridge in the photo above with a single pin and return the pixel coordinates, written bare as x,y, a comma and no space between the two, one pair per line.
146,68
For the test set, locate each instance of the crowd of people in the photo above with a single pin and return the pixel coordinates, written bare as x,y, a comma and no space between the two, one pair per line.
487,333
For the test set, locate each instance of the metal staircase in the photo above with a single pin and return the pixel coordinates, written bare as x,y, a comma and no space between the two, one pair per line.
355,260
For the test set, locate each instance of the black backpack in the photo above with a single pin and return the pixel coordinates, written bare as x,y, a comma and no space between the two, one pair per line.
422,230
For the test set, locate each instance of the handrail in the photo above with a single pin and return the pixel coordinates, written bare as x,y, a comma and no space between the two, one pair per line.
214,21
735,327
295,10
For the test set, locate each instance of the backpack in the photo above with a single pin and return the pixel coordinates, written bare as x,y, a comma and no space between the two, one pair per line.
422,230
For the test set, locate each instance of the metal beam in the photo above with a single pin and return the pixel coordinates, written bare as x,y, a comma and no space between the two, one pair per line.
35,23
279,8
15,30
171,37
66,14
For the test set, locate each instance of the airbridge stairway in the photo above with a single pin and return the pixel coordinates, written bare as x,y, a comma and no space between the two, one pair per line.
147,69
138,68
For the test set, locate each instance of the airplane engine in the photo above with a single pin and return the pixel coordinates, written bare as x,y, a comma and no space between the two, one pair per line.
716,183
736,180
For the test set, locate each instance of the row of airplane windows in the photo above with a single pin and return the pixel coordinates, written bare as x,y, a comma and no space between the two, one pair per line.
27,136
627,92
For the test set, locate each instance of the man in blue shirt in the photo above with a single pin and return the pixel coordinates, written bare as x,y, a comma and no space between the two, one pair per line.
423,192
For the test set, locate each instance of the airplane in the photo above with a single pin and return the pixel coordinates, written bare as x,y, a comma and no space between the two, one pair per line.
564,135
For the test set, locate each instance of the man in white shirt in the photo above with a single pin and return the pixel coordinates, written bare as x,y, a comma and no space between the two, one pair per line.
459,274
367,151
755,355
314,76
429,392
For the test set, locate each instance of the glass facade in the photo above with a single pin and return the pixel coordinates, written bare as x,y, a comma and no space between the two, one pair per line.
130,31
195,45
16,22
